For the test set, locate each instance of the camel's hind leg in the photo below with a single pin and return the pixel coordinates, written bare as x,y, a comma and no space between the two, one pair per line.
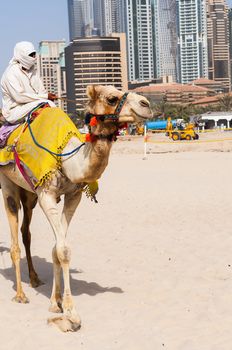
12,204
28,201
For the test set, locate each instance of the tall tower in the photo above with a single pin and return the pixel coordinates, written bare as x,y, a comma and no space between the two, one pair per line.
165,26
110,16
80,14
141,54
99,16
192,40
218,42
230,43
51,67
94,60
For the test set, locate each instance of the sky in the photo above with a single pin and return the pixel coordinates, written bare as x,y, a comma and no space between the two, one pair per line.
30,20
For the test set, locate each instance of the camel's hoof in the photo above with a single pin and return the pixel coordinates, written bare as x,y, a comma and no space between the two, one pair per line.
22,299
66,324
36,282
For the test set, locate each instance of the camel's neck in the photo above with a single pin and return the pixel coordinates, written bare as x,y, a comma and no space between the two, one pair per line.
88,163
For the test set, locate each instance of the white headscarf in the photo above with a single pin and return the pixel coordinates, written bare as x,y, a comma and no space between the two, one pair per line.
22,51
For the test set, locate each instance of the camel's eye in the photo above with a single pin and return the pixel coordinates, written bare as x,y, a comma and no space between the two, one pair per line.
112,100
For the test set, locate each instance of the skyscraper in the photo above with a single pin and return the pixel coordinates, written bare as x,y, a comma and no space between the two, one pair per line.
192,40
218,42
110,16
230,43
49,65
165,38
94,60
141,53
80,14
99,16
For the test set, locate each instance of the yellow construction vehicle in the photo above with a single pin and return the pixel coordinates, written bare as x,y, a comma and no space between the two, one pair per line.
140,129
181,132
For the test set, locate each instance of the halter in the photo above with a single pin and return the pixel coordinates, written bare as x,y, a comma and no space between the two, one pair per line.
92,120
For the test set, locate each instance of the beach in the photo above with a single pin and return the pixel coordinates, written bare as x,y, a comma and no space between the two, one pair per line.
151,264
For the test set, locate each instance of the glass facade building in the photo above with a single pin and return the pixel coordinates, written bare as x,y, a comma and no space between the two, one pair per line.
165,38
141,39
80,14
192,40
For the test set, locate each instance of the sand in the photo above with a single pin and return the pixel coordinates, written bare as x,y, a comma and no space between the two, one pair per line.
151,263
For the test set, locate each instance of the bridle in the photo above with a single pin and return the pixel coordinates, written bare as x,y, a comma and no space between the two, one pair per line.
92,119
112,117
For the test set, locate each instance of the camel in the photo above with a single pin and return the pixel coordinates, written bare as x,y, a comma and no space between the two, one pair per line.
84,166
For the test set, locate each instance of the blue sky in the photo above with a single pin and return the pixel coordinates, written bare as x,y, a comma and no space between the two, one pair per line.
30,20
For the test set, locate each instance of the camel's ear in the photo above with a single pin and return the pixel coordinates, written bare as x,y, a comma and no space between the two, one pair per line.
91,92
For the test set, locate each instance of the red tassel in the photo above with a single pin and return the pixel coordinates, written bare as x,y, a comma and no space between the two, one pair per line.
93,121
90,138
87,138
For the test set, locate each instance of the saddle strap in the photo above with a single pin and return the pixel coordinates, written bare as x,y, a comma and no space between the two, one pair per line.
22,170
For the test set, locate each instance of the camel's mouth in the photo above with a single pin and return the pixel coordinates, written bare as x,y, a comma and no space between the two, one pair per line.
142,116
135,117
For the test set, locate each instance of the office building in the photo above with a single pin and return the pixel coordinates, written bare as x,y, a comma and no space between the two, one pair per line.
94,60
50,67
218,42
109,16
80,15
165,38
230,43
141,39
192,40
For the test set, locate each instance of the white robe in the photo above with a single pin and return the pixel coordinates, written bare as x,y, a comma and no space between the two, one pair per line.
21,91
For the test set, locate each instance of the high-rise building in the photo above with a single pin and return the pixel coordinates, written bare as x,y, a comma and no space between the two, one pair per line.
109,16
94,60
80,14
218,42
165,38
49,59
99,17
192,40
140,36
230,43
61,82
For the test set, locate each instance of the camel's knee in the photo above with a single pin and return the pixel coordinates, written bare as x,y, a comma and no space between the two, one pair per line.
15,253
12,205
63,254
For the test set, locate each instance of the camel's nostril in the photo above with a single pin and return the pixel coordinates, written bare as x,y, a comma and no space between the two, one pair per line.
144,103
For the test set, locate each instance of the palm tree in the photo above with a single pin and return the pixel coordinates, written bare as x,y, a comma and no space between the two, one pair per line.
162,109
225,102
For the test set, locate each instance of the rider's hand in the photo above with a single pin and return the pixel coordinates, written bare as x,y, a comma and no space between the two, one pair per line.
52,97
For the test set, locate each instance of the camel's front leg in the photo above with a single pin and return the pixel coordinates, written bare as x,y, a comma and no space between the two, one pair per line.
12,204
61,257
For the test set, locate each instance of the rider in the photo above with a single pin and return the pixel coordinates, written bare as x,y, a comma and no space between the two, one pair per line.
22,88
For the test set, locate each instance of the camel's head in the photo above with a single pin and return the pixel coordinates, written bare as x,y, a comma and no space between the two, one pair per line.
103,100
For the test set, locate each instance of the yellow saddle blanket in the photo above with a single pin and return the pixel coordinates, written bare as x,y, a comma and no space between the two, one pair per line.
52,129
